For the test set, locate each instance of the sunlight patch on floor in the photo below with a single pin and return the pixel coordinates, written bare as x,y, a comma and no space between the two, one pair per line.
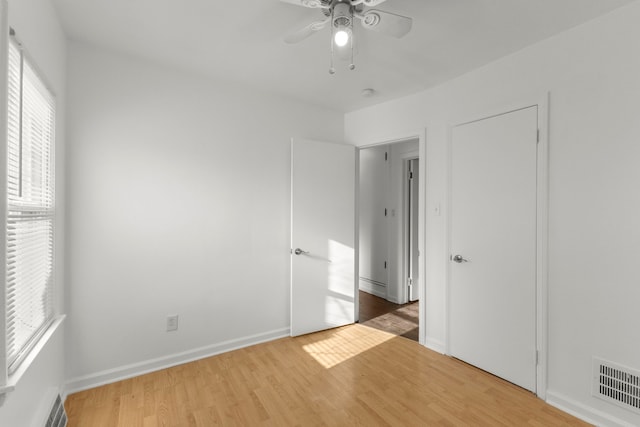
397,322
344,345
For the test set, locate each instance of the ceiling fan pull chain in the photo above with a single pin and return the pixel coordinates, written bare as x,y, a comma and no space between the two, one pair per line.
352,66
332,70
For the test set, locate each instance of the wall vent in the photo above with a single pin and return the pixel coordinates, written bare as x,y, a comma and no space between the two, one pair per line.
616,384
57,416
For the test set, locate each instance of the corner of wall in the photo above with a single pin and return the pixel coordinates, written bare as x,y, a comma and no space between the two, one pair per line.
584,412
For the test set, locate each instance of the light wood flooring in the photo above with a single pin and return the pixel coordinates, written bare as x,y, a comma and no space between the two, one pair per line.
398,319
349,376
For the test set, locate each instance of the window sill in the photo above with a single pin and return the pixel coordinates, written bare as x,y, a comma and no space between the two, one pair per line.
15,377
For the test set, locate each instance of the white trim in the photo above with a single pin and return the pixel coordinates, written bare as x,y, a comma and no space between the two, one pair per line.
447,244
15,377
584,412
422,236
421,136
135,369
373,288
435,345
542,236
5,386
356,239
542,245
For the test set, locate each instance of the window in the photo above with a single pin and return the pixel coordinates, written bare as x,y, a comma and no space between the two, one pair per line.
30,208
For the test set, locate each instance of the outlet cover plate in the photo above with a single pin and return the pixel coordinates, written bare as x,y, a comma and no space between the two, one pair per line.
172,323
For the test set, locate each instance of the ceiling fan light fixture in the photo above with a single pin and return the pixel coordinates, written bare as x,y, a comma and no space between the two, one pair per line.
342,33
341,30
342,20
341,37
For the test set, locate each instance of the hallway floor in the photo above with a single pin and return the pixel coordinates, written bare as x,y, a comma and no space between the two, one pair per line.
397,319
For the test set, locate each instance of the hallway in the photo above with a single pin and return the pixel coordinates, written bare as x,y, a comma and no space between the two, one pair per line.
398,319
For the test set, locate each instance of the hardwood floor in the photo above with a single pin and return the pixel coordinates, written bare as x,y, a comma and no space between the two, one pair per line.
398,319
349,376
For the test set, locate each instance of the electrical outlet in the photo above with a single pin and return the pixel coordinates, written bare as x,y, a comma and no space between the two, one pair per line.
172,323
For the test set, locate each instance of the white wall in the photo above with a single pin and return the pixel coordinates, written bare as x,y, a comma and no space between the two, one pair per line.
592,73
382,186
398,153
179,204
373,225
36,24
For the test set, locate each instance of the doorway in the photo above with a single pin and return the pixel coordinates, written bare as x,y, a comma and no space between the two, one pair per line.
388,202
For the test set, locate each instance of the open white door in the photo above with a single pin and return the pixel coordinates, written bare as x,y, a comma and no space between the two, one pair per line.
413,229
323,280
493,242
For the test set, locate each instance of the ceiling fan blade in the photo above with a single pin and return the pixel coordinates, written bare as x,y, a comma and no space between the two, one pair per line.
303,33
371,3
314,4
386,22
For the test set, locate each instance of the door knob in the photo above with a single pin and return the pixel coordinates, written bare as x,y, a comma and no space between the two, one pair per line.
459,259
299,251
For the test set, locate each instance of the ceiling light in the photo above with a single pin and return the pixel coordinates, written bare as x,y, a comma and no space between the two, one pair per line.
341,38
342,30
340,16
368,92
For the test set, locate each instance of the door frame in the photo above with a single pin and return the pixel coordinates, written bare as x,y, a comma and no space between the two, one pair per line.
406,225
542,224
421,136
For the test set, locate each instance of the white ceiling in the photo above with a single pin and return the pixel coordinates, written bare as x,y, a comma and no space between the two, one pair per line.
241,41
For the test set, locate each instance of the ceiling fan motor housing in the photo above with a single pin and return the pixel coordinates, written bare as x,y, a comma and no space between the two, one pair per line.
342,15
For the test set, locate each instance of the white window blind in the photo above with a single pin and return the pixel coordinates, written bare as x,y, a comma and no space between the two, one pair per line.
30,201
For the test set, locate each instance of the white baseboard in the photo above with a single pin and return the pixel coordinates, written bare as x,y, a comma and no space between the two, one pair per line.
393,300
584,412
435,345
123,372
373,288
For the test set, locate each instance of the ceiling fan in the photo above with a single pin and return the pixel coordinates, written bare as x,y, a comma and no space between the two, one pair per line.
340,15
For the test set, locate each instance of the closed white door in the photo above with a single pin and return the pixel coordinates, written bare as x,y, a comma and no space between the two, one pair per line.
323,281
492,322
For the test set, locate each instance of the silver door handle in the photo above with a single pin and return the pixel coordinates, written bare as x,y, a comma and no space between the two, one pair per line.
458,259
299,251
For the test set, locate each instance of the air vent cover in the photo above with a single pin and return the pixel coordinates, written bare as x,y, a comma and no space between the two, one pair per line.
57,416
616,384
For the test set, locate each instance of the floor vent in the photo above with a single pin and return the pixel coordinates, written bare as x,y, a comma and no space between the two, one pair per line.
616,384
57,417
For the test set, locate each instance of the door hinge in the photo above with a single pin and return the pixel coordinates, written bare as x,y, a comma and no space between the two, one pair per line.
410,175
385,264
385,211
410,281
386,156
